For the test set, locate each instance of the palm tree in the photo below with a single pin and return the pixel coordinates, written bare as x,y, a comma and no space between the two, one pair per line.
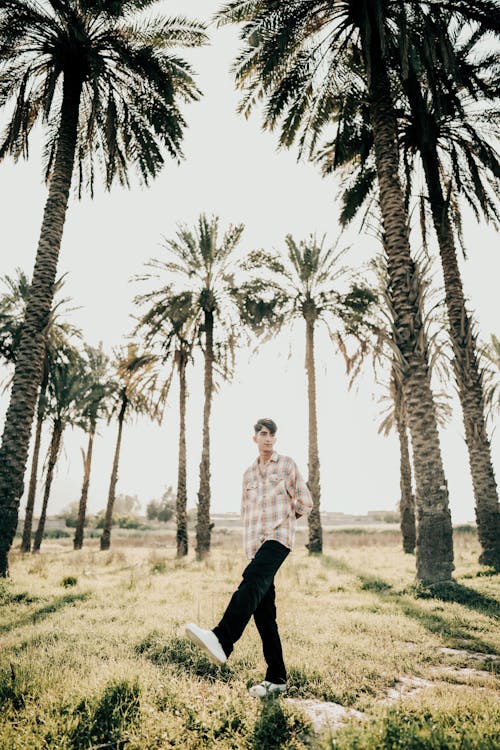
169,329
302,285
108,88
387,359
58,334
432,119
293,58
67,387
92,408
437,126
128,399
204,260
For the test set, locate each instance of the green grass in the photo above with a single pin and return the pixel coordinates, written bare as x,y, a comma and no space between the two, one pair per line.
93,651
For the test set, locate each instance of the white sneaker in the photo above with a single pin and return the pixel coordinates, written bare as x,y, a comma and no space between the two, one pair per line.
208,641
265,688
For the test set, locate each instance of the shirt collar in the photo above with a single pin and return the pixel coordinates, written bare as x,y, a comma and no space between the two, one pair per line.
274,458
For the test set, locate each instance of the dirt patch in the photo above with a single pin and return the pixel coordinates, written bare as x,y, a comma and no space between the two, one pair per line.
324,714
473,655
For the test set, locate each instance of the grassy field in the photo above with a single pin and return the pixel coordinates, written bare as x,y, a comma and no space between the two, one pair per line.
92,651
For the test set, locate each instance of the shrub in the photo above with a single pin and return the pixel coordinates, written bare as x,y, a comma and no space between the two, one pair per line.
56,534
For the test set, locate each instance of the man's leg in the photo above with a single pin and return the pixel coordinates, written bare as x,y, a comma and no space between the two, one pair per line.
257,578
265,620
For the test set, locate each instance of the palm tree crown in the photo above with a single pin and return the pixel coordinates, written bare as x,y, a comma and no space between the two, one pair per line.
122,68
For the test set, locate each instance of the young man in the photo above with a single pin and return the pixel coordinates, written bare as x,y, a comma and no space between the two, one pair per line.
274,496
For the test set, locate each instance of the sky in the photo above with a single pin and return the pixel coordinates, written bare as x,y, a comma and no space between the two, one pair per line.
234,170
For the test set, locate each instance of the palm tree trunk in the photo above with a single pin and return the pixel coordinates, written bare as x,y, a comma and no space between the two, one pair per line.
181,502
203,526
82,506
30,503
434,534
28,372
407,501
55,445
465,362
106,532
314,519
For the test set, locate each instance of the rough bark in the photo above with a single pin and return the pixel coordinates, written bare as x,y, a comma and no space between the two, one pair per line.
55,445
465,362
434,530
407,499
29,361
82,505
30,502
203,526
314,520
108,518
181,502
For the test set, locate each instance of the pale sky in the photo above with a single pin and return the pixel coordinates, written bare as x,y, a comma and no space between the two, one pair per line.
231,169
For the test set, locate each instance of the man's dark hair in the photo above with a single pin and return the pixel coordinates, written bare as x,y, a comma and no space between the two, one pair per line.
268,423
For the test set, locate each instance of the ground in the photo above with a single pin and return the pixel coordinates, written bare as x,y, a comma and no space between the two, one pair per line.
93,653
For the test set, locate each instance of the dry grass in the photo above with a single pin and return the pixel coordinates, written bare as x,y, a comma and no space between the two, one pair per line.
92,646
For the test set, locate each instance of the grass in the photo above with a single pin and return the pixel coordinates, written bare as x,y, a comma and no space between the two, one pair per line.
93,652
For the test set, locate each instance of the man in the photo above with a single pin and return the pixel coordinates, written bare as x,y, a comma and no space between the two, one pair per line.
274,496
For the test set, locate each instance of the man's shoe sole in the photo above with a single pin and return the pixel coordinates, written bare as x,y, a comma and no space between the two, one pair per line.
194,638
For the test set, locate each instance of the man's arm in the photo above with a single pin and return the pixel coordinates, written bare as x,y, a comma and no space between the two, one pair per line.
299,493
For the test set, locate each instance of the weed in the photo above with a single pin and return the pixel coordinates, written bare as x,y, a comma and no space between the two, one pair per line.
159,567
14,689
369,583
7,596
68,581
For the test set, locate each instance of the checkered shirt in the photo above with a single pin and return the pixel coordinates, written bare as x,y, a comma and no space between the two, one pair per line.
272,495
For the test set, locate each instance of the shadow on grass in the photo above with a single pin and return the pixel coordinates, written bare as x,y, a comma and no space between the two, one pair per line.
42,612
278,727
460,594
103,723
456,636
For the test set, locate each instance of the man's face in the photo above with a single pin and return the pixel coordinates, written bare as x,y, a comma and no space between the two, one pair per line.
265,440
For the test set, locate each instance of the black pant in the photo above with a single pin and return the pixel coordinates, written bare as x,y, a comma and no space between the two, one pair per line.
255,596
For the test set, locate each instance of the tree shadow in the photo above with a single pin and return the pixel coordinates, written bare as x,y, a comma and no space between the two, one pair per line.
41,613
456,592
456,636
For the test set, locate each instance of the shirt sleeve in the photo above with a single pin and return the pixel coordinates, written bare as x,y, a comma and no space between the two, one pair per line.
243,498
299,491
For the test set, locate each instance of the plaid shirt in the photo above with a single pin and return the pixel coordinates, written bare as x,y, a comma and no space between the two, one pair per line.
272,495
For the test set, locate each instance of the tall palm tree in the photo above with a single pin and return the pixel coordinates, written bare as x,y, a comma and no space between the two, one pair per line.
58,334
67,387
291,58
437,126
302,284
127,399
169,330
432,117
107,87
386,359
202,262
92,408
